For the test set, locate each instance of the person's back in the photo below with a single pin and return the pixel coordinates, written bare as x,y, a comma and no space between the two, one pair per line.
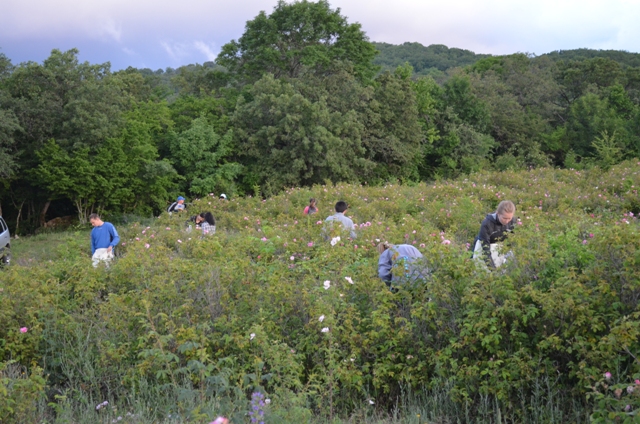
400,263
347,223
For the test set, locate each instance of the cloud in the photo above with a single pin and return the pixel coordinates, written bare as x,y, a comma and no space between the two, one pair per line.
176,51
206,50
160,30
129,51
113,30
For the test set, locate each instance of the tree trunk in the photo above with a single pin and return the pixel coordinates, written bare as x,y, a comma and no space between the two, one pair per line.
18,218
43,214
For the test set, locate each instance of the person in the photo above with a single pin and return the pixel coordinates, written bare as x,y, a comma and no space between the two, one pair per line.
311,207
493,231
104,238
206,222
177,206
223,196
399,263
347,223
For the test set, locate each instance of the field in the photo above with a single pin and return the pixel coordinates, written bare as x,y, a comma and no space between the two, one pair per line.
183,328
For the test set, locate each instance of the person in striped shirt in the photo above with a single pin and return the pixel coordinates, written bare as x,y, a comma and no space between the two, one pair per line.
206,222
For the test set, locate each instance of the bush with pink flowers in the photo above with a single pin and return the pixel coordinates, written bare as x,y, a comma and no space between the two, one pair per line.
191,326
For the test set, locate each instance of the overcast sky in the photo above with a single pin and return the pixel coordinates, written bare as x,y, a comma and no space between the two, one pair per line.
162,33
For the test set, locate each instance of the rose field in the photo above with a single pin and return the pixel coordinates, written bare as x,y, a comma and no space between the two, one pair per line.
185,328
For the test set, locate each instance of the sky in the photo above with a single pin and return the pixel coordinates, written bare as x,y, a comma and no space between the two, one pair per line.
162,33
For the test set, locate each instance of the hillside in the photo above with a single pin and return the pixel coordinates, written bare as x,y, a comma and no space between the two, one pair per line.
425,60
436,58
188,326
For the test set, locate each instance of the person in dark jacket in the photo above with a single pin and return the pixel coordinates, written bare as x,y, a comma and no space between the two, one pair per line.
493,230
177,206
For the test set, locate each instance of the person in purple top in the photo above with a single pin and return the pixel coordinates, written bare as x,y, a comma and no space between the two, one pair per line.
104,238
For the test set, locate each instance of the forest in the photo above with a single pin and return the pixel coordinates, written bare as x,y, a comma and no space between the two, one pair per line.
303,97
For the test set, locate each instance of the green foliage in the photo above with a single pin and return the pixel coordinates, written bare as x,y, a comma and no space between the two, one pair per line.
199,154
297,38
191,325
316,142
424,60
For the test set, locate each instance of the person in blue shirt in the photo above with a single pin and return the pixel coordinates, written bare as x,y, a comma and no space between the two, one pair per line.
104,238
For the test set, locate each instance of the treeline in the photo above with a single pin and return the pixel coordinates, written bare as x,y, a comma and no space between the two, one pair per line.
297,100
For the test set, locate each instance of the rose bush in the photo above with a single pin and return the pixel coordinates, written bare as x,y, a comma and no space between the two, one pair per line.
192,325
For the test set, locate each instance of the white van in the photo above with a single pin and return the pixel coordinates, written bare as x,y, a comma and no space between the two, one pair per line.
5,239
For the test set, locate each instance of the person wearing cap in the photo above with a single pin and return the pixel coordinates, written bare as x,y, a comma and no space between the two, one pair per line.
177,206
223,196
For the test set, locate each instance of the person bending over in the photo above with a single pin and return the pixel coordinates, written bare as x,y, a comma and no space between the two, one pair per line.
206,222
399,263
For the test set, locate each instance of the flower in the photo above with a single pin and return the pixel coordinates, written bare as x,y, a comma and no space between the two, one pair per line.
257,411
327,284
263,239
590,235
446,242
251,336
310,244
627,408
321,318
584,242
179,241
319,222
630,389
220,420
371,402
23,329
293,258
325,330
349,280
147,245
168,228
267,401
607,375
335,240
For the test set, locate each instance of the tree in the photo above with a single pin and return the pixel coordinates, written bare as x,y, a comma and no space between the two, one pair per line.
288,139
297,38
393,134
200,155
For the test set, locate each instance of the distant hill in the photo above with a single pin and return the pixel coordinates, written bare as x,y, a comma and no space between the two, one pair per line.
432,59
435,59
620,56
